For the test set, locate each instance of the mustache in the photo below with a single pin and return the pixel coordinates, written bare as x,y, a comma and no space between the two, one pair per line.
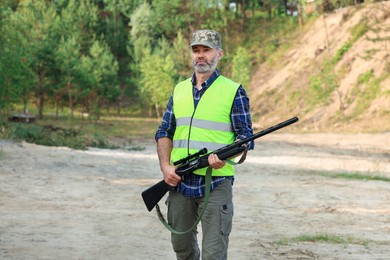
205,61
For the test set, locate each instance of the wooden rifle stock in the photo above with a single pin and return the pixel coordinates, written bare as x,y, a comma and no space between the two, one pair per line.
154,194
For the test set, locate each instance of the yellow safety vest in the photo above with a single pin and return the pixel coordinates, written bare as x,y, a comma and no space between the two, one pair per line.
207,126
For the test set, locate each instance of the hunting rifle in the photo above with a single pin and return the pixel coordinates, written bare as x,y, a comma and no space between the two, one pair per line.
154,194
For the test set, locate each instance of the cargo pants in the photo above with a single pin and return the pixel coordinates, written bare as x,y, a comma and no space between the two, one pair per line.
216,223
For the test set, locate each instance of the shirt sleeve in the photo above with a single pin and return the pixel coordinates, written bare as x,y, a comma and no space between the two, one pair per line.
168,123
241,118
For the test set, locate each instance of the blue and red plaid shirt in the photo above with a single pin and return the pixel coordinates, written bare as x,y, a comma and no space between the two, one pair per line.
193,185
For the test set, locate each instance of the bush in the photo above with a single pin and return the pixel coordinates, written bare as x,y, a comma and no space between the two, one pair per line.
50,136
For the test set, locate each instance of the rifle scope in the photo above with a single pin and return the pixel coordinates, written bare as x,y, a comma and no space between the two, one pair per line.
191,156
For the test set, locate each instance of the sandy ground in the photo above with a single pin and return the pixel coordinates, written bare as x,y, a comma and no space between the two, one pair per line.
58,203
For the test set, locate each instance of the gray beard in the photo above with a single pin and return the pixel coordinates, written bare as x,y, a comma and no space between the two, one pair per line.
209,67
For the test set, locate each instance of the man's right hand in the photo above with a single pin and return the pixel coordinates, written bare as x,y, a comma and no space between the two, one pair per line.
170,176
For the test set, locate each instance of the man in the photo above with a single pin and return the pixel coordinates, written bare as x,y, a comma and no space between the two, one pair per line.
211,111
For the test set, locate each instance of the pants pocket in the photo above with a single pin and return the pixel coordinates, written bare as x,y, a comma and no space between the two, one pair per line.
226,218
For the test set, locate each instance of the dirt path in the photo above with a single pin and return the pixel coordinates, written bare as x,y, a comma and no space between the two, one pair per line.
58,203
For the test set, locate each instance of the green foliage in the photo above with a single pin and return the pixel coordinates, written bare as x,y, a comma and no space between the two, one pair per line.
180,54
170,16
359,29
43,136
125,7
142,23
322,85
52,136
323,238
360,176
157,82
16,76
340,52
365,77
67,56
142,37
111,132
366,90
356,32
368,54
100,69
241,67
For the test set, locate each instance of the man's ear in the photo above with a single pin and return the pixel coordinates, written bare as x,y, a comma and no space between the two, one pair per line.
220,54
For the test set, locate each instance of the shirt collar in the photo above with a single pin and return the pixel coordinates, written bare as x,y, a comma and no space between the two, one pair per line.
208,82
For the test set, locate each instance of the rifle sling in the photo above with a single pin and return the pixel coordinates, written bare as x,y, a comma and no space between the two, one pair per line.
206,199
242,159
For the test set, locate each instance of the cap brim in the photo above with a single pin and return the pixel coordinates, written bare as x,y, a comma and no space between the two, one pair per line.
202,43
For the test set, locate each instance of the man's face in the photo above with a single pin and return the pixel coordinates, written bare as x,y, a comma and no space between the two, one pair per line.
205,59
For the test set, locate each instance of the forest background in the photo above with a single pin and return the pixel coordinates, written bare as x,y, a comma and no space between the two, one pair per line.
106,62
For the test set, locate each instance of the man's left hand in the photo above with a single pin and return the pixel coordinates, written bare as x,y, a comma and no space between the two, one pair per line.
215,162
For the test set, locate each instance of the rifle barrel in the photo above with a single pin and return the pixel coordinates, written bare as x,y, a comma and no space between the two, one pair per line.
269,130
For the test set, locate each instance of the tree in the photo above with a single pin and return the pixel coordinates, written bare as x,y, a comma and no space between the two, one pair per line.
141,33
39,18
79,20
115,18
141,36
180,54
67,57
157,82
241,66
100,70
16,77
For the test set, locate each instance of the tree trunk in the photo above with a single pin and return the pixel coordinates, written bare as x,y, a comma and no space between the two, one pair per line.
97,108
70,98
326,31
118,108
243,15
300,19
268,6
40,104
57,107
41,92
157,110
4,98
285,6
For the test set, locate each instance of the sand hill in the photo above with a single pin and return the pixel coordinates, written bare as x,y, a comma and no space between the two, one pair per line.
333,78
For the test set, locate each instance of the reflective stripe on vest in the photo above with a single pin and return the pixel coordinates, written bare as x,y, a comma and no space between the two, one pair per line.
209,126
204,124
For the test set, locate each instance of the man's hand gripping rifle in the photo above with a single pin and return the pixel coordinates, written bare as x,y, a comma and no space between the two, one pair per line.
154,194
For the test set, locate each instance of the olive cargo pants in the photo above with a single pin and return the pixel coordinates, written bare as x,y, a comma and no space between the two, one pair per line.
216,223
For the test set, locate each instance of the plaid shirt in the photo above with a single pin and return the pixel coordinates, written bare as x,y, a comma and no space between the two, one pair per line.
192,185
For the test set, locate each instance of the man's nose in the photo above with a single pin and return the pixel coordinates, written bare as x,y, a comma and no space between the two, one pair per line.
200,54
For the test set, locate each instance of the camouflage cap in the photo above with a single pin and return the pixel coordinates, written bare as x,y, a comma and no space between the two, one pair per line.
209,38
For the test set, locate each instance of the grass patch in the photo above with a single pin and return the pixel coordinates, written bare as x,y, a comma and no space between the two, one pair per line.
136,148
356,33
340,52
366,90
323,238
322,85
357,176
368,54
